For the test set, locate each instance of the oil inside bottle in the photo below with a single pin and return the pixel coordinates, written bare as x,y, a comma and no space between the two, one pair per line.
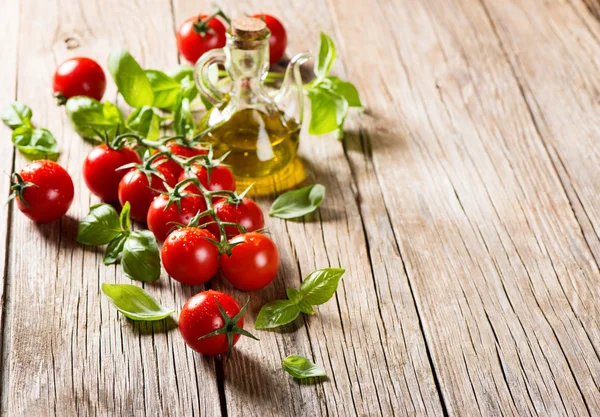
262,149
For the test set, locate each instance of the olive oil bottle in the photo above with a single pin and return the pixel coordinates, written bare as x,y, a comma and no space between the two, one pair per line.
258,131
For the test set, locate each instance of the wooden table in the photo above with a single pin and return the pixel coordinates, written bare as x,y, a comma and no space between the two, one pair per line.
464,204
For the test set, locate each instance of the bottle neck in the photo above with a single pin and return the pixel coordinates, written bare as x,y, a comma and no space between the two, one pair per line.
247,60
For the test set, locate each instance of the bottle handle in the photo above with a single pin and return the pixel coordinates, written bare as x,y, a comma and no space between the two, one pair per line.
202,78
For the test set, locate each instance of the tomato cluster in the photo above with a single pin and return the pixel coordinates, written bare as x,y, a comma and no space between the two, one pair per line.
187,198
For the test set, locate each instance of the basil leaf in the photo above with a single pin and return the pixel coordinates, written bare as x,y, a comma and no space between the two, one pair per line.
114,249
297,203
124,219
16,115
276,313
165,89
320,285
180,72
87,114
145,122
293,294
135,303
344,89
100,226
183,123
328,110
325,58
189,89
130,79
300,367
141,258
35,143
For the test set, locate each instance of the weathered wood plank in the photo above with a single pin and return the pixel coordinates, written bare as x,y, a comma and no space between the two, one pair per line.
69,352
491,246
9,33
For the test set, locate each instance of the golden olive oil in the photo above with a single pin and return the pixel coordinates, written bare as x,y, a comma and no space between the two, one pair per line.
262,149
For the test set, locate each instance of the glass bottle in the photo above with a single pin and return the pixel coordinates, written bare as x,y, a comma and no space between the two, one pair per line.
258,129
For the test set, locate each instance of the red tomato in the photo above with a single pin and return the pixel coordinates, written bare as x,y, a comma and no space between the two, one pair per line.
221,178
201,315
253,263
247,213
161,220
182,151
192,44
51,194
135,189
80,77
278,39
188,257
100,171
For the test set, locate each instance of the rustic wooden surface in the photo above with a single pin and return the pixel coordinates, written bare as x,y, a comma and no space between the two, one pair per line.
464,204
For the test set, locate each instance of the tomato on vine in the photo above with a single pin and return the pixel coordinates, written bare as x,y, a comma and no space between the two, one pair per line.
180,150
189,256
253,263
164,215
101,171
79,77
43,190
211,323
242,211
221,178
136,188
278,40
200,34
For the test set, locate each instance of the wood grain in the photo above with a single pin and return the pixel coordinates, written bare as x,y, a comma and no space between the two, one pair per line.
487,234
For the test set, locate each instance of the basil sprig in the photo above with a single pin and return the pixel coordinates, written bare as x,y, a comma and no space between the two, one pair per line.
33,143
330,98
301,367
137,250
130,78
297,203
135,303
316,289
88,115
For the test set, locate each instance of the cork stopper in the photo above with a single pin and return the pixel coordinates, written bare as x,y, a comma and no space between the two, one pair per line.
248,29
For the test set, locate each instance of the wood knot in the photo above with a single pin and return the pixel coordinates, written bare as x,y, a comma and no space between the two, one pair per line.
72,43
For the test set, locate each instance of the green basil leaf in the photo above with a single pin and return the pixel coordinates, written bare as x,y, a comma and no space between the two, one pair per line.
328,110
320,285
180,72
35,143
305,307
135,303
297,203
276,313
300,367
124,219
165,89
189,89
87,113
114,249
130,79
293,294
183,123
325,58
16,115
145,122
141,257
344,89
100,226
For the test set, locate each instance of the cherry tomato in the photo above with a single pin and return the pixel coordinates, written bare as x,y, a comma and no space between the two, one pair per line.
50,194
161,220
253,263
135,189
101,173
246,213
189,257
278,39
192,44
80,77
221,178
182,151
